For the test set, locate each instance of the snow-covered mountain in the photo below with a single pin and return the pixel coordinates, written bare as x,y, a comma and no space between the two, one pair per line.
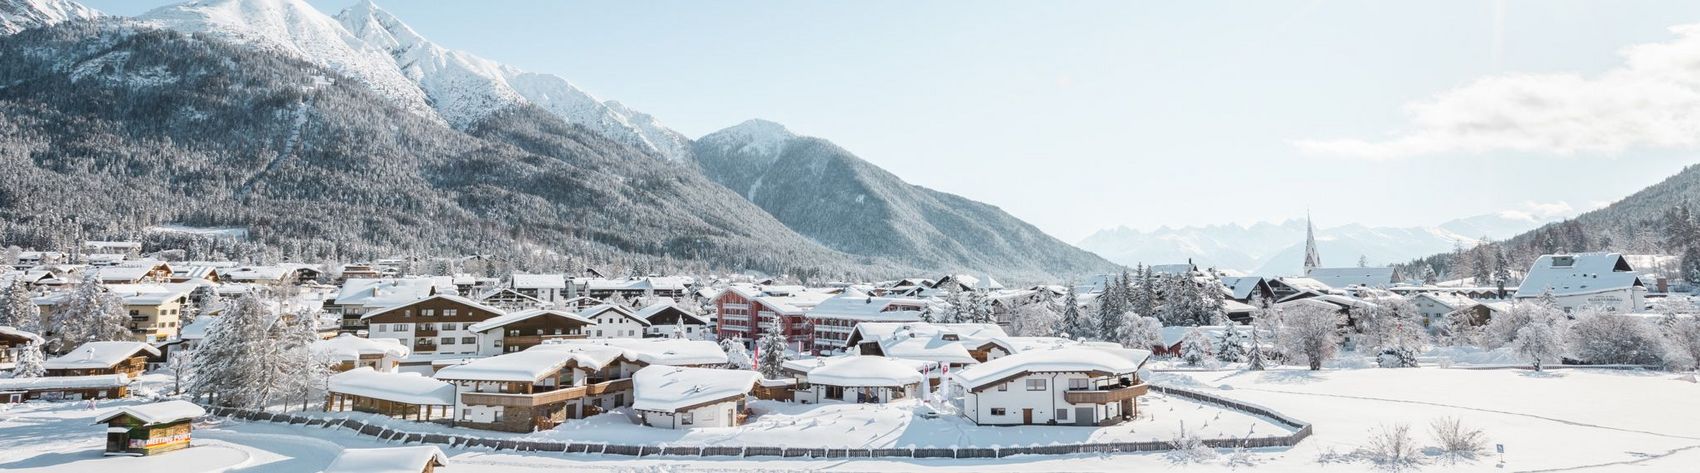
375,47
18,15
833,197
1278,248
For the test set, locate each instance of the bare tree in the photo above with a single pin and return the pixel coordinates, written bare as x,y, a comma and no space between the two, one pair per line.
1310,332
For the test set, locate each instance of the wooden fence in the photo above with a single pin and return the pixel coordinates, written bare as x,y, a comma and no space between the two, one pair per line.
1300,430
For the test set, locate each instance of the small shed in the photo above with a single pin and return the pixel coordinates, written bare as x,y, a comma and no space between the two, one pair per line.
420,459
64,388
149,428
127,358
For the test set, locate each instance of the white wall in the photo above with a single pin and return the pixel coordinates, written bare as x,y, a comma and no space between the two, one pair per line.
978,407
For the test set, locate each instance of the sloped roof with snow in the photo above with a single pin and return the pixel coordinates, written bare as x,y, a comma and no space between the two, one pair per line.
505,319
446,297
933,348
529,365
14,332
1347,277
156,413
408,388
1241,287
150,294
384,292
349,347
671,388
1073,359
657,308
656,351
99,355
1304,284
857,370
1582,273
257,273
539,281
592,312
387,460
886,309
64,382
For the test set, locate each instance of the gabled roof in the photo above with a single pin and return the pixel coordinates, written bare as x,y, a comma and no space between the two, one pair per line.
349,347
409,388
658,308
885,309
447,297
857,370
592,312
384,292
387,460
14,332
64,382
1242,287
1582,273
99,355
934,348
504,320
156,413
1347,277
529,365
1072,359
671,389
150,294
539,281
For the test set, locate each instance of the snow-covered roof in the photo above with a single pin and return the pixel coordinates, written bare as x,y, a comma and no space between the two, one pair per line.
592,312
671,388
99,355
14,332
971,333
504,320
150,294
657,308
656,351
123,273
1347,277
857,370
1173,335
64,382
887,309
1447,299
539,281
532,364
407,388
1177,269
1574,274
933,348
387,460
1236,307
257,273
1241,287
156,413
349,347
447,297
198,329
1335,300
1304,284
659,283
1071,359
384,292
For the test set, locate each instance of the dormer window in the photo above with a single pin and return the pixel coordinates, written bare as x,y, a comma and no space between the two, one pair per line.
1563,261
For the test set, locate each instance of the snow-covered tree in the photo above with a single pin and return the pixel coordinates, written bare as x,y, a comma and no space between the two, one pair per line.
1141,332
237,364
1537,343
1230,345
1602,338
88,314
771,349
28,363
18,309
182,366
1195,347
1111,307
1682,343
1073,325
1394,329
1503,327
1311,333
1254,357
1037,319
305,372
207,306
737,357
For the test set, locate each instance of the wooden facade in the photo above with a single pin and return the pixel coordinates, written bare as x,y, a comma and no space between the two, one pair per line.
132,367
336,401
126,435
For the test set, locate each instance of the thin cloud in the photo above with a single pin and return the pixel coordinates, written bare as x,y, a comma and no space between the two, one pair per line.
1651,101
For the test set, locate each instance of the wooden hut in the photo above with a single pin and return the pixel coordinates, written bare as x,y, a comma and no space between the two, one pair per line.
150,428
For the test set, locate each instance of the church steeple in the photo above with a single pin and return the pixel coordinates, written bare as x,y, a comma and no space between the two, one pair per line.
1312,258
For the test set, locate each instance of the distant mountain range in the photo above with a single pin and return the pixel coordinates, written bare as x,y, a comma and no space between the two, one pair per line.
355,137
1278,249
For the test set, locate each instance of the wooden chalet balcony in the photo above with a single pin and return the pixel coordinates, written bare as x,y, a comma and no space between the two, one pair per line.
546,397
424,332
1106,396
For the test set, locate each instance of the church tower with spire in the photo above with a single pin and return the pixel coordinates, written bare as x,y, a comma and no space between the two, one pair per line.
1312,258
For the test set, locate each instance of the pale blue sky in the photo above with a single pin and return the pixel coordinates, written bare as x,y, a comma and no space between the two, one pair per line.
1081,115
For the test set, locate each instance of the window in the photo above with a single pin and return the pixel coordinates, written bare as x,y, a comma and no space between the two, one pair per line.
398,328
998,411
448,340
468,341
428,312
450,312
1003,387
1035,385
686,418
1062,414
1079,384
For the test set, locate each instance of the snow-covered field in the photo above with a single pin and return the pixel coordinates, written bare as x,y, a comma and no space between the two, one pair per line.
1573,420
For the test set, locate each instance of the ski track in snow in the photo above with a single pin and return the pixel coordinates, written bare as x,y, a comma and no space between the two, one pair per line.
1645,459
1478,409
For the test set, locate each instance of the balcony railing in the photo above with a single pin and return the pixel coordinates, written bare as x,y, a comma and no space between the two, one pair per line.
546,397
1107,395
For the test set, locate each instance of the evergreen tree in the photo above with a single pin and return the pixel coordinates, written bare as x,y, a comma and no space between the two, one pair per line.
236,364
28,363
1073,324
18,309
1143,294
1230,347
1691,264
1109,316
1254,350
737,357
772,355
1195,347
88,314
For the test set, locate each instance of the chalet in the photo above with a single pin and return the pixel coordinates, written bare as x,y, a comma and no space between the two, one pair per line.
351,352
855,378
632,288
149,429
1247,289
665,318
517,331
673,397
12,340
835,319
1079,385
64,388
278,274
542,386
745,313
30,259
980,341
1380,278
614,321
354,271
1600,280
438,324
1435,307
964,282
543,287
416,459
359,296
508,298
399,395
155,310
126,358
135,272
1287,287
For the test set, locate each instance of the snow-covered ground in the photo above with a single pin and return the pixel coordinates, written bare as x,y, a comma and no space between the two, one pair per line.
1575,420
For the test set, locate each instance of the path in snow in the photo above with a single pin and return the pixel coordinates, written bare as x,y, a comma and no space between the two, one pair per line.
1468,408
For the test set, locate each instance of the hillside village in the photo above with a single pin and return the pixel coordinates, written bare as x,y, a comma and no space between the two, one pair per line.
535,353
